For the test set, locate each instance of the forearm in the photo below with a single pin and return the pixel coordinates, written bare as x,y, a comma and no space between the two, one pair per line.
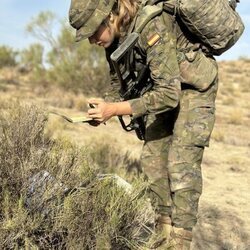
121,108
103,111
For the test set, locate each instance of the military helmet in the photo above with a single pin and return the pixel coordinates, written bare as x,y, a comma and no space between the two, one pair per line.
87,15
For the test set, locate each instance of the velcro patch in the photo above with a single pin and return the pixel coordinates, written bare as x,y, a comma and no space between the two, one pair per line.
153,39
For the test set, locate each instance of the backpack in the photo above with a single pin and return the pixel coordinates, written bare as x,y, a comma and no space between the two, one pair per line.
214,22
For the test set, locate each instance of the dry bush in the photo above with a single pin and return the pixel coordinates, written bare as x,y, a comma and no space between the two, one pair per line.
52,198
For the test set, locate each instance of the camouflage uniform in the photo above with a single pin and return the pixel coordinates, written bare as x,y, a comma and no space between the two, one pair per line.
180,108
180,117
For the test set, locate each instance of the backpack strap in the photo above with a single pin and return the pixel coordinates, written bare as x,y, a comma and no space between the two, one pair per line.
146,14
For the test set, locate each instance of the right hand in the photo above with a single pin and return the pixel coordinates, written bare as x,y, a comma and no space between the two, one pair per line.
101,111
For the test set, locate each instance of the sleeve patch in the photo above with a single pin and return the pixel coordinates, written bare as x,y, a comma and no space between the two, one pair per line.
153,40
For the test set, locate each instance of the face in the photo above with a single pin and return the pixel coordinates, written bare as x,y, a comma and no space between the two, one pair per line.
104,36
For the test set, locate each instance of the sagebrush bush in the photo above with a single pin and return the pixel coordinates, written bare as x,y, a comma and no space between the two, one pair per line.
52,198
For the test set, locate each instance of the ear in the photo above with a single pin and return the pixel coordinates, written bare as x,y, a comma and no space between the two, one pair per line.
111,17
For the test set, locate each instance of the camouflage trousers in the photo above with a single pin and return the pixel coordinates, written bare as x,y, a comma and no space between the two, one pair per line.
172,155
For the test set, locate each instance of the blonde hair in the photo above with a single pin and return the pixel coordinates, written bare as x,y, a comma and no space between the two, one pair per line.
124,12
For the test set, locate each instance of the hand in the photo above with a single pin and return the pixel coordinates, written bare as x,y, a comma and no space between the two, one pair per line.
103,111
94,123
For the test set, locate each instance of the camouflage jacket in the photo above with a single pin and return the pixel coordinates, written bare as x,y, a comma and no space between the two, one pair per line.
165,48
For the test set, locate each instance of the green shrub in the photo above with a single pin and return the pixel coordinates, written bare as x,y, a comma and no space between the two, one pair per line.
7,57
32,57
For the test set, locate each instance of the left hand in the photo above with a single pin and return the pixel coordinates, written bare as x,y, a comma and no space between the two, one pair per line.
103,111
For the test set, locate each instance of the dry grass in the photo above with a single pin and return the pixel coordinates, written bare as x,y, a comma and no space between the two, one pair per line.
218,136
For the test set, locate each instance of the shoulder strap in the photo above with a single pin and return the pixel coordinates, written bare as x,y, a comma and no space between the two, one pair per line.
146,14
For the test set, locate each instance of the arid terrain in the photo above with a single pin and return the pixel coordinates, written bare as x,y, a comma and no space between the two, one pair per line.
224,215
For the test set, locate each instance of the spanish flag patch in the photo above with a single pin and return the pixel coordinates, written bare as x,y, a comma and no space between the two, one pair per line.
153,39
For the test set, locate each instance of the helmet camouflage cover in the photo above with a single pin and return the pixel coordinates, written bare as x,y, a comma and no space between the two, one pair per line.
87,15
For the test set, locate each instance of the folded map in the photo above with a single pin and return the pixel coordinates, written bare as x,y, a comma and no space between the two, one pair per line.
73,119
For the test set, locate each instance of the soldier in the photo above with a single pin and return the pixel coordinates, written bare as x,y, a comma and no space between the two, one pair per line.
179,108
